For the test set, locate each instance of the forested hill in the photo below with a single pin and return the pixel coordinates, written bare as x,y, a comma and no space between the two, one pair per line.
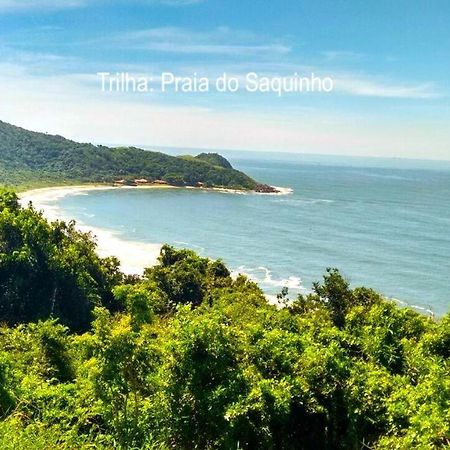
30,158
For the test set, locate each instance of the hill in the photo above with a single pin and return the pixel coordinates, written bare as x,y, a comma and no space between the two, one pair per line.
215,159
28,158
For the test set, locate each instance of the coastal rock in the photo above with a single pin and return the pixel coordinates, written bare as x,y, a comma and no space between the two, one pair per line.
266,189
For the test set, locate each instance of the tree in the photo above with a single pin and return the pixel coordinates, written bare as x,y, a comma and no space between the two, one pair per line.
50,269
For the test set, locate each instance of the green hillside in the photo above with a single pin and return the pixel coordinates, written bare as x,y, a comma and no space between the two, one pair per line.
28,158
215,159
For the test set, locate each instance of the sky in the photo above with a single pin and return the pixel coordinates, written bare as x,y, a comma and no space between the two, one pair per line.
389,62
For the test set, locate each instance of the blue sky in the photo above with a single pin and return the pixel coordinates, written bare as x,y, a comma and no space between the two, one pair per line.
389,60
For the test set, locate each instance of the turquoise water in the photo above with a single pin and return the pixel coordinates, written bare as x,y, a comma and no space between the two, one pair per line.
383,223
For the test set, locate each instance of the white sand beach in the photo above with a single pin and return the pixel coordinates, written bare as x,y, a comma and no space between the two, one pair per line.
133,256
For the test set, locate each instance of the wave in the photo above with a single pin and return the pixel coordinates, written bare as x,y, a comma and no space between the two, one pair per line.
262,275
281,191
222,190
284,190
380,175
45,199
185,244
423,309
273,300
305,201
134,256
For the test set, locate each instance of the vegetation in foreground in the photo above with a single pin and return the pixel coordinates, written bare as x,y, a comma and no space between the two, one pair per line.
30,159
188,358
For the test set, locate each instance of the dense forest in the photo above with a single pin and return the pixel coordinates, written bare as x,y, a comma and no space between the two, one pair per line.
188,357
29,159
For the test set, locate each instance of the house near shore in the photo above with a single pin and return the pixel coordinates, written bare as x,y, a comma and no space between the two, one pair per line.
141,181
160,182
120,182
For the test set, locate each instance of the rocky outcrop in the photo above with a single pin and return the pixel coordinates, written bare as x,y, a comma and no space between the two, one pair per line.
266,189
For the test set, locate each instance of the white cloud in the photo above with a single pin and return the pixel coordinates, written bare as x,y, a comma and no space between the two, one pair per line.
36,63
342,55
177,2
367,87
345,83
21,5
221,40
73,106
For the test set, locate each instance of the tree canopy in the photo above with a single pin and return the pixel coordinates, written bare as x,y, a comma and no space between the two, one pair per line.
30,158
188,357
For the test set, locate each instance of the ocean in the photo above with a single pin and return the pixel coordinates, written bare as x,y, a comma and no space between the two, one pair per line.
384,223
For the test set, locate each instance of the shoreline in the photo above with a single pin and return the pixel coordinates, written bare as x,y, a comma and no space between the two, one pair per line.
103,187
85,188
134,256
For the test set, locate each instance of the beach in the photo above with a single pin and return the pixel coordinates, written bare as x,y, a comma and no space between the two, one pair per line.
134,256
335,216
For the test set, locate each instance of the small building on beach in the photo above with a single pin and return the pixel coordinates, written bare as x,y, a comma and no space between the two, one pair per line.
140,181
160,182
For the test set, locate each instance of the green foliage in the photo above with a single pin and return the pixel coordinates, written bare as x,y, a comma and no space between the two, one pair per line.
183,277
54,344
215,159
188,357
438,339
29,158
6,398
49,270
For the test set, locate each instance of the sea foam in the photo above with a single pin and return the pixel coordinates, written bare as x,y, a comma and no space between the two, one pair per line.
262,275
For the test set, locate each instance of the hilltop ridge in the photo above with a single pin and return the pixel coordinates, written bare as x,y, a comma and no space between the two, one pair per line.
29,158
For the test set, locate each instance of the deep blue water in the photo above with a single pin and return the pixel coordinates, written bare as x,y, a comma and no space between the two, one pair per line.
383,223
